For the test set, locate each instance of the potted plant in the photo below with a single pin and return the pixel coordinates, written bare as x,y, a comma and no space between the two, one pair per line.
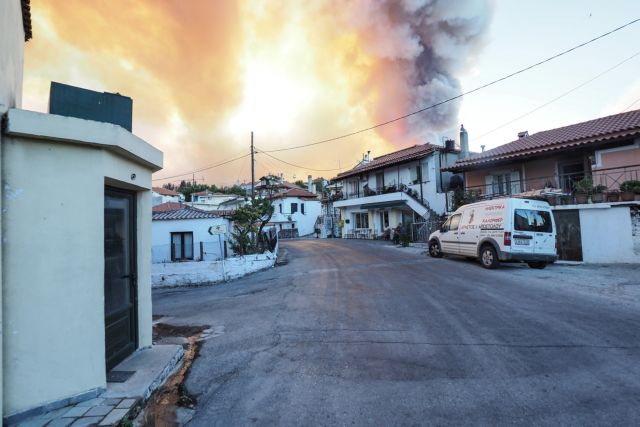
629,190
598,193
613,196
582,189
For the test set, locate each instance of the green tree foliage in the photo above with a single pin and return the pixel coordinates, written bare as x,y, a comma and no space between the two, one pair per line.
300,183
248,223
188,188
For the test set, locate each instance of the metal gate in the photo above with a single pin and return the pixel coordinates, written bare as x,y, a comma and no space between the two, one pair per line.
420,231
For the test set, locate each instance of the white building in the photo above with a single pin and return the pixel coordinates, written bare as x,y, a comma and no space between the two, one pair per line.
164,195
76,278
209,201
400,187
183,233
297,209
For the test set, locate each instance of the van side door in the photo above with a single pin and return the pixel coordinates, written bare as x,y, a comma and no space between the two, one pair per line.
468,233
449,235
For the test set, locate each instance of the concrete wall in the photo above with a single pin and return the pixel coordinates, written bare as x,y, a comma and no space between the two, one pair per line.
207,272
538,172
11,54
54,256
607,234
11,64
161,237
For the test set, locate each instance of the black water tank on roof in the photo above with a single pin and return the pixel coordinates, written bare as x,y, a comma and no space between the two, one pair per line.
450,145
71,101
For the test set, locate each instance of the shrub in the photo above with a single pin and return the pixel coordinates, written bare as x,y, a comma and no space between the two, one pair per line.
632,186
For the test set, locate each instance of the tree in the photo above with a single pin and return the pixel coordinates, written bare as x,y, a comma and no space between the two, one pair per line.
248,222
300,183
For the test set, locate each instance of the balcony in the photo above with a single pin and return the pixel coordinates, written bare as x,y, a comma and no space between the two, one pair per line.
620,184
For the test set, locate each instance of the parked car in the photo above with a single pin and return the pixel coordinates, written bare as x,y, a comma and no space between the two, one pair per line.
509,229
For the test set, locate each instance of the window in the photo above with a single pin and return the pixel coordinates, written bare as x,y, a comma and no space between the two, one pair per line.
380,181
280,207
361,219
530,220
384,219
455,221
294,208
415,174
181,246
302,208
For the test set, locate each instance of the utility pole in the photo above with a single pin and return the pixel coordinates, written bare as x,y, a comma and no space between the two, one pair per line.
253,178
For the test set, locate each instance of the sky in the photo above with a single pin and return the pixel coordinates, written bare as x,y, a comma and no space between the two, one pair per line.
205,74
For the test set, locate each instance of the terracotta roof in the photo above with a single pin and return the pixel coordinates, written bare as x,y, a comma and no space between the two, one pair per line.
602,130
295,192
186,212
169,206
400,156
26,19
165,191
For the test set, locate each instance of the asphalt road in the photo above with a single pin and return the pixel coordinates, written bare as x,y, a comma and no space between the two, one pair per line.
359,333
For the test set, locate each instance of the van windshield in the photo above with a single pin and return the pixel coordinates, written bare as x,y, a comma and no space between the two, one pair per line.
532,220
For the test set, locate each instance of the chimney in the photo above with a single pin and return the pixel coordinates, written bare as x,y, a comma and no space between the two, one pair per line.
281,178
464,142
366,158
482,147
310,185
523,134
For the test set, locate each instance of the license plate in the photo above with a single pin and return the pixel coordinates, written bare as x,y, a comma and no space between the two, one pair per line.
521,241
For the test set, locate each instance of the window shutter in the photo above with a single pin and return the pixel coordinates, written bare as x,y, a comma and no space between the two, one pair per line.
515,182
488,181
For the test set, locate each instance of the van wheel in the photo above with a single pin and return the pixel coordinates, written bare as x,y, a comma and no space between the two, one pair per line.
434,249
537,264
489,257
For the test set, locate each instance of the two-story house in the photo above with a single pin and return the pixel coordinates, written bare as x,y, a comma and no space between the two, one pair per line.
296,211
401,187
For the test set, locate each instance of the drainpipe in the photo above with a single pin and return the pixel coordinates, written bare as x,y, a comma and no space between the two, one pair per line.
421,180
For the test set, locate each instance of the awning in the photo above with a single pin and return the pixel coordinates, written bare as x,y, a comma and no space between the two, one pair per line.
380,205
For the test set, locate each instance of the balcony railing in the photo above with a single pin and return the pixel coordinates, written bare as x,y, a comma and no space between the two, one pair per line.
412,189
568,187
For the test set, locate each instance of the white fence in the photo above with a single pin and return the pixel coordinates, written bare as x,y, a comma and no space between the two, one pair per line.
193,273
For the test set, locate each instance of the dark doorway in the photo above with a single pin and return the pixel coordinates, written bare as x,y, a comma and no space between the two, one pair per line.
569,174
568,234
119,275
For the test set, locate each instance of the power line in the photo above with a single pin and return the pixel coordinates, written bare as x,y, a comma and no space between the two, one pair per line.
522,70
561,96
203,169
294,165
631,105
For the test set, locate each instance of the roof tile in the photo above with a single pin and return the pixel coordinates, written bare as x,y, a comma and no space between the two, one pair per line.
400,156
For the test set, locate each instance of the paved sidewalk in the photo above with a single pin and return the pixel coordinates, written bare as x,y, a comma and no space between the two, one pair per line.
120,401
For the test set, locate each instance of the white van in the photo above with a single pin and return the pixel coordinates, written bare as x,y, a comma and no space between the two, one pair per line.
497,230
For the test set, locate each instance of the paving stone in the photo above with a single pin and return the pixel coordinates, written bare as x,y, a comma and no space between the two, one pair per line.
86,421
56,413
113,401
61,422
99,411
114,417
76,411
126,403
91,402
